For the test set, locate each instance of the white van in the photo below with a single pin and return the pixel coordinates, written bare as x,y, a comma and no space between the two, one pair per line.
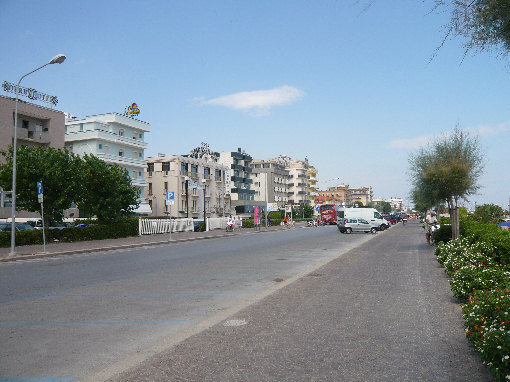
370,214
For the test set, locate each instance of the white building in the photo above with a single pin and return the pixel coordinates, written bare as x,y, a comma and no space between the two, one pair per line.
270,179
114,138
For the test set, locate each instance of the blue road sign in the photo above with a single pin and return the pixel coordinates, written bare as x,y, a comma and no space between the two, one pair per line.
170,196
39,188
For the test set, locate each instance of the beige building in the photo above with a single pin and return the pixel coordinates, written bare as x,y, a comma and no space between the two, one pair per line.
194,179
37,126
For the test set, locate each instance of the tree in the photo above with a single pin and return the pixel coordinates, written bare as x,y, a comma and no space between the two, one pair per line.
488,213
447,170
106,190
383,207
57,170
485,24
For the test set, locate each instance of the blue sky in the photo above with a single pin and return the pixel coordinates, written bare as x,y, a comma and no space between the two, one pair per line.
352,90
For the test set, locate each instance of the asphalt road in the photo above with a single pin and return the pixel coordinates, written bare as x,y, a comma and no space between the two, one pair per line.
90,316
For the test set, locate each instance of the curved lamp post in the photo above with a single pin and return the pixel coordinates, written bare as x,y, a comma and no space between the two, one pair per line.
58,59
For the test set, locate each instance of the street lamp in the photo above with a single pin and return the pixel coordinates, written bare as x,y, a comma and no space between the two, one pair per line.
58,59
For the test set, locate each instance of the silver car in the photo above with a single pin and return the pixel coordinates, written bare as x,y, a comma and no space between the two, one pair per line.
356,225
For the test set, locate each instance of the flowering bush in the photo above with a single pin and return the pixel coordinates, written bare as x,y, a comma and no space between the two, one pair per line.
487,322
473,277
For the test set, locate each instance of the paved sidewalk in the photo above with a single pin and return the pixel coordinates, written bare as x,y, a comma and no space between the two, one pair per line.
57,249
380,312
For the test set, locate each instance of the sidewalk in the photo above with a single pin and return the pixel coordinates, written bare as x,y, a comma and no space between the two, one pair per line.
57,249
380,312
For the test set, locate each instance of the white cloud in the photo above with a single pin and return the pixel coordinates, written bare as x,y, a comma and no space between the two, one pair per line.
259,100
422,141
487,131
410,143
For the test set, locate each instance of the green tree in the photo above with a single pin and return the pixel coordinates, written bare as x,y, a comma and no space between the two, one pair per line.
484,24
107,192
488,213
57,170
383,207
447,170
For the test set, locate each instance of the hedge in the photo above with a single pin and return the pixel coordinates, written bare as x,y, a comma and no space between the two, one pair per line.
123,228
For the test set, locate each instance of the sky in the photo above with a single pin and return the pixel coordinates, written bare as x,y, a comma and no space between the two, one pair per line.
351,88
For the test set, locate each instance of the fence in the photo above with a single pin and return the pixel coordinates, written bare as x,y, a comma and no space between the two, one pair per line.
154,226
216,223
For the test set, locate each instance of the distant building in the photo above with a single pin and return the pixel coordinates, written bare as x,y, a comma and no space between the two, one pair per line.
242,193
181,174
270,180
344,194
114,138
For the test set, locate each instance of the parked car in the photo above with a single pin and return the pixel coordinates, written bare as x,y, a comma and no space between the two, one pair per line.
53,225
6,227
390,219
356,225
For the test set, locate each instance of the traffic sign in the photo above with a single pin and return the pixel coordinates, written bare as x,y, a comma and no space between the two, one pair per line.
170,195
39,188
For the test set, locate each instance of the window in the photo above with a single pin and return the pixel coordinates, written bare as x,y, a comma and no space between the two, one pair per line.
140,155
183,205
166,186
140,135
165,167
121,153
139,174
24,124
194,205
81,126
150,188
150,168
134,174
121,132
194,170
100,146
207,173
106,149
184,168
135,154
217,174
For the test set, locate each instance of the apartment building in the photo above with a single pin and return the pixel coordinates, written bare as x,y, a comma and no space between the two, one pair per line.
114,138
270,180
37,126
298,186
312,179
242,193
197,180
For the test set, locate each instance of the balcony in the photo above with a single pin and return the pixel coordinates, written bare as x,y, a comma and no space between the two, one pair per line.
194,175
100,134
184,172
122,160
41,137
217,178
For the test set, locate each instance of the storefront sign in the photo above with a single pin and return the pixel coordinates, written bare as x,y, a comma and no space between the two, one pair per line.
132,110
30,93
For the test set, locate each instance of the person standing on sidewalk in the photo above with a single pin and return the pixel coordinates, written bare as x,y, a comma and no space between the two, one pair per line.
430,221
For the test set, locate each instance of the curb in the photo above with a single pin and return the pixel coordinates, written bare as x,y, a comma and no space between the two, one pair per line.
116,247
110,248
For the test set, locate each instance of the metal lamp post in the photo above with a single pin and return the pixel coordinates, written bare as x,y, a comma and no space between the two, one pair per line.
58,59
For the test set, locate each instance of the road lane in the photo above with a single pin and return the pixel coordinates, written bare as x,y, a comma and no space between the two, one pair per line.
75,316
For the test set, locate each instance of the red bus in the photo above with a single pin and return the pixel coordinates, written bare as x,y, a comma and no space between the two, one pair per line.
327,213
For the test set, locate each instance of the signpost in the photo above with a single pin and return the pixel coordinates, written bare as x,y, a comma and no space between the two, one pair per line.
170,200
40,198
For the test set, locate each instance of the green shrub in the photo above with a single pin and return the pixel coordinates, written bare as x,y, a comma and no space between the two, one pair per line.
493,235
123,228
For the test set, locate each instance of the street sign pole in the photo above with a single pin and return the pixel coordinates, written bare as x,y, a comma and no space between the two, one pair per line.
40,197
